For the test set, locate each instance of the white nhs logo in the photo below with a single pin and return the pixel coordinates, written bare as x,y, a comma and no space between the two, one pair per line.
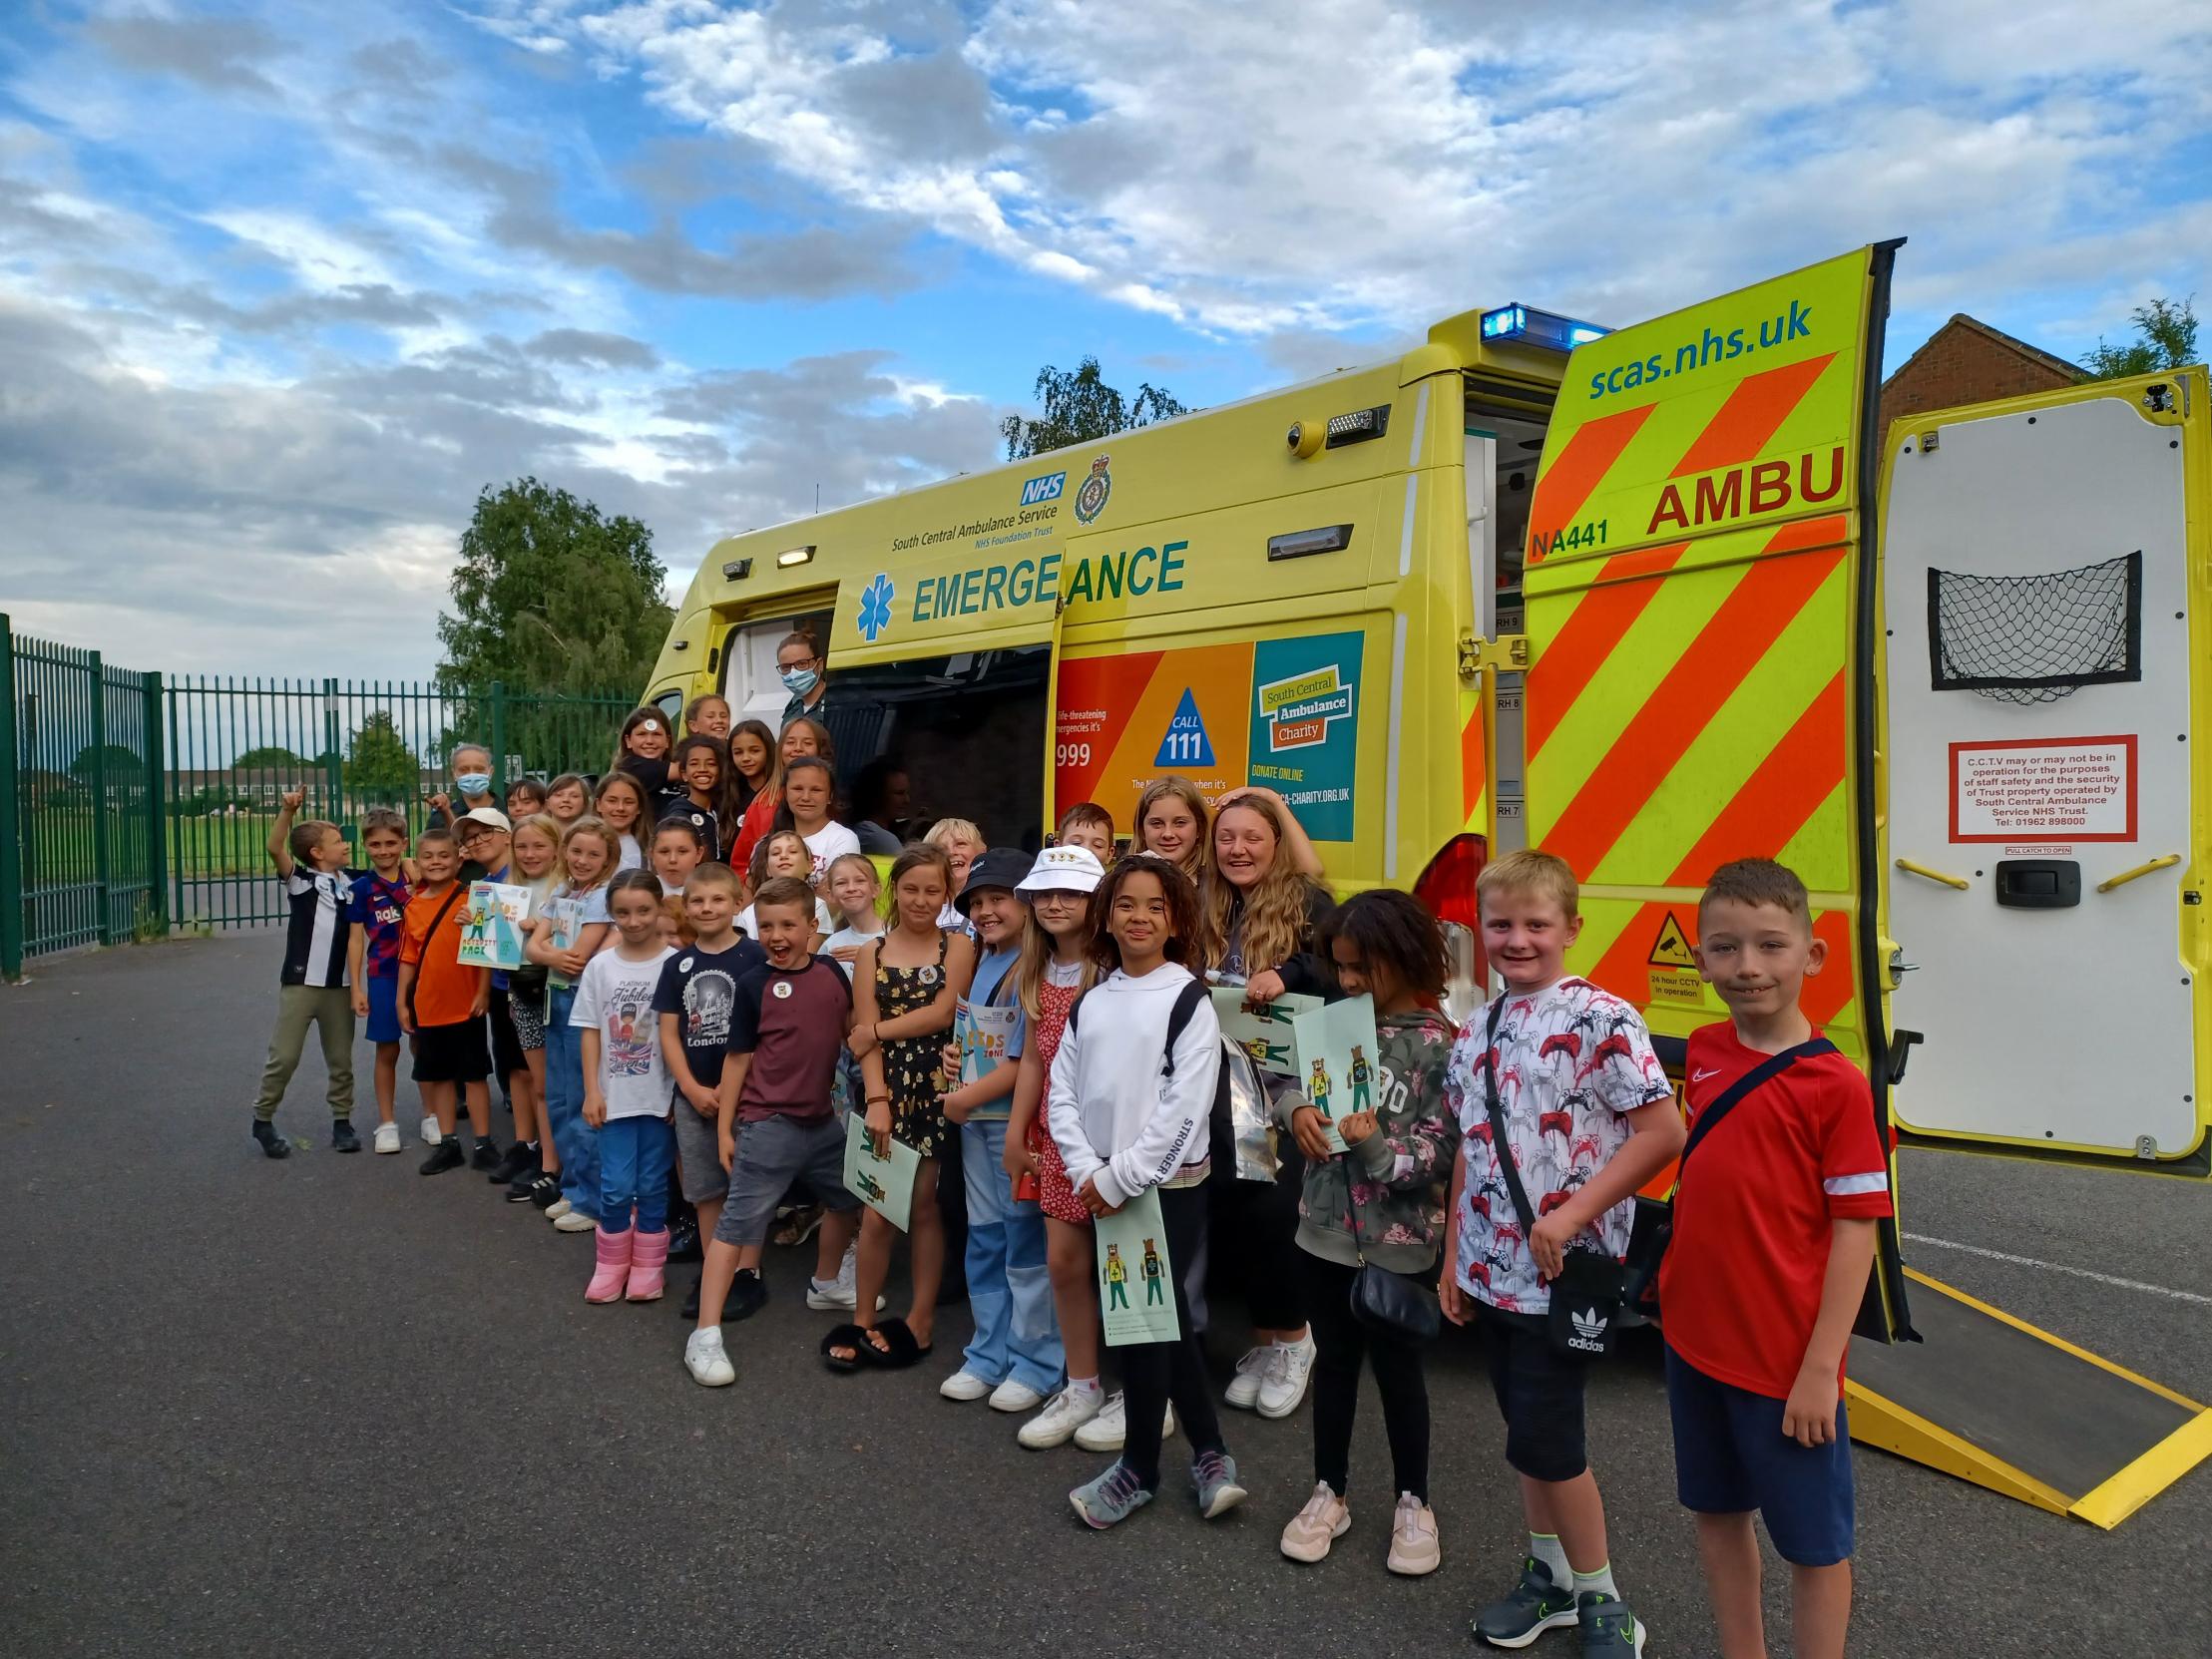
1046,488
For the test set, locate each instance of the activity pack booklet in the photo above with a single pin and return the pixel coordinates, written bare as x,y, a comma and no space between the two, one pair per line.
885,1185
1137,1281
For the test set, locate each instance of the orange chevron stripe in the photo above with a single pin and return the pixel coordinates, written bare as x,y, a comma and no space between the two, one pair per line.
1564,670
1566,483
1786,789
1624,969
1745,627
1810,533
1831,991
1758,406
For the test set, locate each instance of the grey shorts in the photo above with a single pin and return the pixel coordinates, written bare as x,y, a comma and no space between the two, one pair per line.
771,1154
697,1155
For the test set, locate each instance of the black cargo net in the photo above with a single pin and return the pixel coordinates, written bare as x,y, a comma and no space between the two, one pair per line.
2037,639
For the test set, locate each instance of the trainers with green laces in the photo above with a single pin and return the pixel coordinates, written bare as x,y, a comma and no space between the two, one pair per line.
1532,1607
1609,1630
1112,1498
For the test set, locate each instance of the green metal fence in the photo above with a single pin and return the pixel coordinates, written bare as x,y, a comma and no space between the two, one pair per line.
133,804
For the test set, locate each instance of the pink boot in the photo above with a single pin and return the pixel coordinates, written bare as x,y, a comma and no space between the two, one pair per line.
614,1265
648,1266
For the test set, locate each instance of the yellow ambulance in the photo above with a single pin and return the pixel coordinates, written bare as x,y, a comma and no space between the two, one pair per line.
1622,594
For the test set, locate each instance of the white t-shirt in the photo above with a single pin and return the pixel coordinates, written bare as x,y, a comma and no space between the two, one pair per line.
831,841
615,997
848,936
823,921
632,856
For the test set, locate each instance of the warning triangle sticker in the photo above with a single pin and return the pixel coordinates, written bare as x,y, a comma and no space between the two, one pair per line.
1185,743
1673,947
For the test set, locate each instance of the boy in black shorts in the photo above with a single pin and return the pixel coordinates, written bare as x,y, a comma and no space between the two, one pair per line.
698,992
775,1125
443,1003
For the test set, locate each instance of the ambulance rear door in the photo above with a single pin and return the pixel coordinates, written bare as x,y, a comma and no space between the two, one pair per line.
2044,603
1701,658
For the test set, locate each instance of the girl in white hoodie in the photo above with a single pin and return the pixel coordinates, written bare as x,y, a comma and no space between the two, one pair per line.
1127,1113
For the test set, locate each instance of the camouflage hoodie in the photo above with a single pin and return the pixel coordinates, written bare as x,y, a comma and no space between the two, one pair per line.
1398,1175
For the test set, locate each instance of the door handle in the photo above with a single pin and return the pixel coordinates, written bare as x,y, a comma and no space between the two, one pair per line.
1925,874
2140,871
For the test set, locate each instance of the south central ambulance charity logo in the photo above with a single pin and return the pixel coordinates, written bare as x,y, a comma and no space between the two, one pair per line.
1299,710
1091,499
875,608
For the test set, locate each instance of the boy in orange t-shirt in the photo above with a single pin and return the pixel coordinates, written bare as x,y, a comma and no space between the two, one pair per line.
443,1003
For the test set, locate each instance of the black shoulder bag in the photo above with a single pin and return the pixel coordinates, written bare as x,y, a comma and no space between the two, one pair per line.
460,891
1586,1296
1654,1226
1386,1303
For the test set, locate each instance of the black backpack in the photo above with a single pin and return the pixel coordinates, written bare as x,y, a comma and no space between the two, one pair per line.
1187,1005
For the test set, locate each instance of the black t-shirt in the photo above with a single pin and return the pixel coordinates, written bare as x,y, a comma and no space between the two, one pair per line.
701,989
701,818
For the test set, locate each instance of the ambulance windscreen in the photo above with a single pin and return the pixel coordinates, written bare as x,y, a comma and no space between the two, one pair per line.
2037,639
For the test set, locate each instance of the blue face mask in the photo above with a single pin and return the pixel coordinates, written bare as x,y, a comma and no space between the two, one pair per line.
799,681
473,784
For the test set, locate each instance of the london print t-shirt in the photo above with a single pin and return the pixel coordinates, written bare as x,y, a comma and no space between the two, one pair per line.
615,997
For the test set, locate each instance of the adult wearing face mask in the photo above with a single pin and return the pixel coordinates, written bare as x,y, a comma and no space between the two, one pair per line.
800,665
472,782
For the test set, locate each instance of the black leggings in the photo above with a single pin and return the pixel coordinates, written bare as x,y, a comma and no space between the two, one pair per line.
1255,1241
1152,1373
1340,1342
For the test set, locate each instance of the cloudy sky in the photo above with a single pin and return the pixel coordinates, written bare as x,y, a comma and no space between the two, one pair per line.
282,285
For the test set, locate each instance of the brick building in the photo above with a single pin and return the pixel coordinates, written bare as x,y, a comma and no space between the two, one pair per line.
1967,361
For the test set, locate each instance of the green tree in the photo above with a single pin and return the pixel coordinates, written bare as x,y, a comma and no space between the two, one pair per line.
269,757
380,769
552,597
2166,339
1081,406
122,766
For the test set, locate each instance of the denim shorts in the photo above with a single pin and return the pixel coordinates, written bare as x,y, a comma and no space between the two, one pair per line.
1731,1456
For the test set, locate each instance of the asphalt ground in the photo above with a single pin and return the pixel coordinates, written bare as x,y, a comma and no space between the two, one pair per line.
328,1407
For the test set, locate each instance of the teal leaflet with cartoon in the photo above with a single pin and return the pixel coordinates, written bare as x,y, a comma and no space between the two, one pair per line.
885,1185
1264,1033
492,925
1136,1280
1336,1049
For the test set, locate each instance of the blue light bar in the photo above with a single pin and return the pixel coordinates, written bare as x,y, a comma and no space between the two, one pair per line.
1532,327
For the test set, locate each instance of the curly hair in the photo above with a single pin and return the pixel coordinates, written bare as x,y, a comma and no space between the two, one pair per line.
1182,910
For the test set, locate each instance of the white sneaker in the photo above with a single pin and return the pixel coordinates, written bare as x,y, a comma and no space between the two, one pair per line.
1285,1383
708,1360
387,1137
836,1294
1244,1389
1011,1395
1067,1412
557,1209
1106,1430
430,1134
574,1221
964,1385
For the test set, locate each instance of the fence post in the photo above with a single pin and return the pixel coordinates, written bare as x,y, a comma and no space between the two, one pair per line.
157,804
498,739
103,872
11,852
333,762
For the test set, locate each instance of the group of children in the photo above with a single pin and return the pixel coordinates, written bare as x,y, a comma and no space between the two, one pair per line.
715,983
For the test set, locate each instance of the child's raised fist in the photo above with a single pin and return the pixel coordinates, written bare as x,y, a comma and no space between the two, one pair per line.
294,799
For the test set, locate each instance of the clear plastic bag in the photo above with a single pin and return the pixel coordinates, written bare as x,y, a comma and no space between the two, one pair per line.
1251,1117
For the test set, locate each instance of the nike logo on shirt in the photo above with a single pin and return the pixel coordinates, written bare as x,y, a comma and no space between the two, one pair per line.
1700,1076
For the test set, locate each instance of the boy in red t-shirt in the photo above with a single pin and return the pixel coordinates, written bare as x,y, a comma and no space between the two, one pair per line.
1774,1235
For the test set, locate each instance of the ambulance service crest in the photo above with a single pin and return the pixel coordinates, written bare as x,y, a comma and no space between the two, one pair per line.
1091,497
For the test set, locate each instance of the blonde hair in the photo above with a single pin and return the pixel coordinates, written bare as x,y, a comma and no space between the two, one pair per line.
545,824
946,831
866,863
1038,949
596,827
1531,872
1273,914
1197,863
673,908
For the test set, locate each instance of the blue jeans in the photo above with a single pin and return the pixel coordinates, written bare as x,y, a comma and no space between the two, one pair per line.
576,1140
1010,1293
634,1157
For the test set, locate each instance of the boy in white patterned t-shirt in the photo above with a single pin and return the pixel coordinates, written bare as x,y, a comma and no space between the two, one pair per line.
1589,1118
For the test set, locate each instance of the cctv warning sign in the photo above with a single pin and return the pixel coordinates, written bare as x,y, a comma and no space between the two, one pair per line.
1673,947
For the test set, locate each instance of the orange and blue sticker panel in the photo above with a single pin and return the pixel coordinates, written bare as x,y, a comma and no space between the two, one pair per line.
1280,712
1739,411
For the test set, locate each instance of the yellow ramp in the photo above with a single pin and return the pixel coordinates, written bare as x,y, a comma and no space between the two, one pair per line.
1993,1400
